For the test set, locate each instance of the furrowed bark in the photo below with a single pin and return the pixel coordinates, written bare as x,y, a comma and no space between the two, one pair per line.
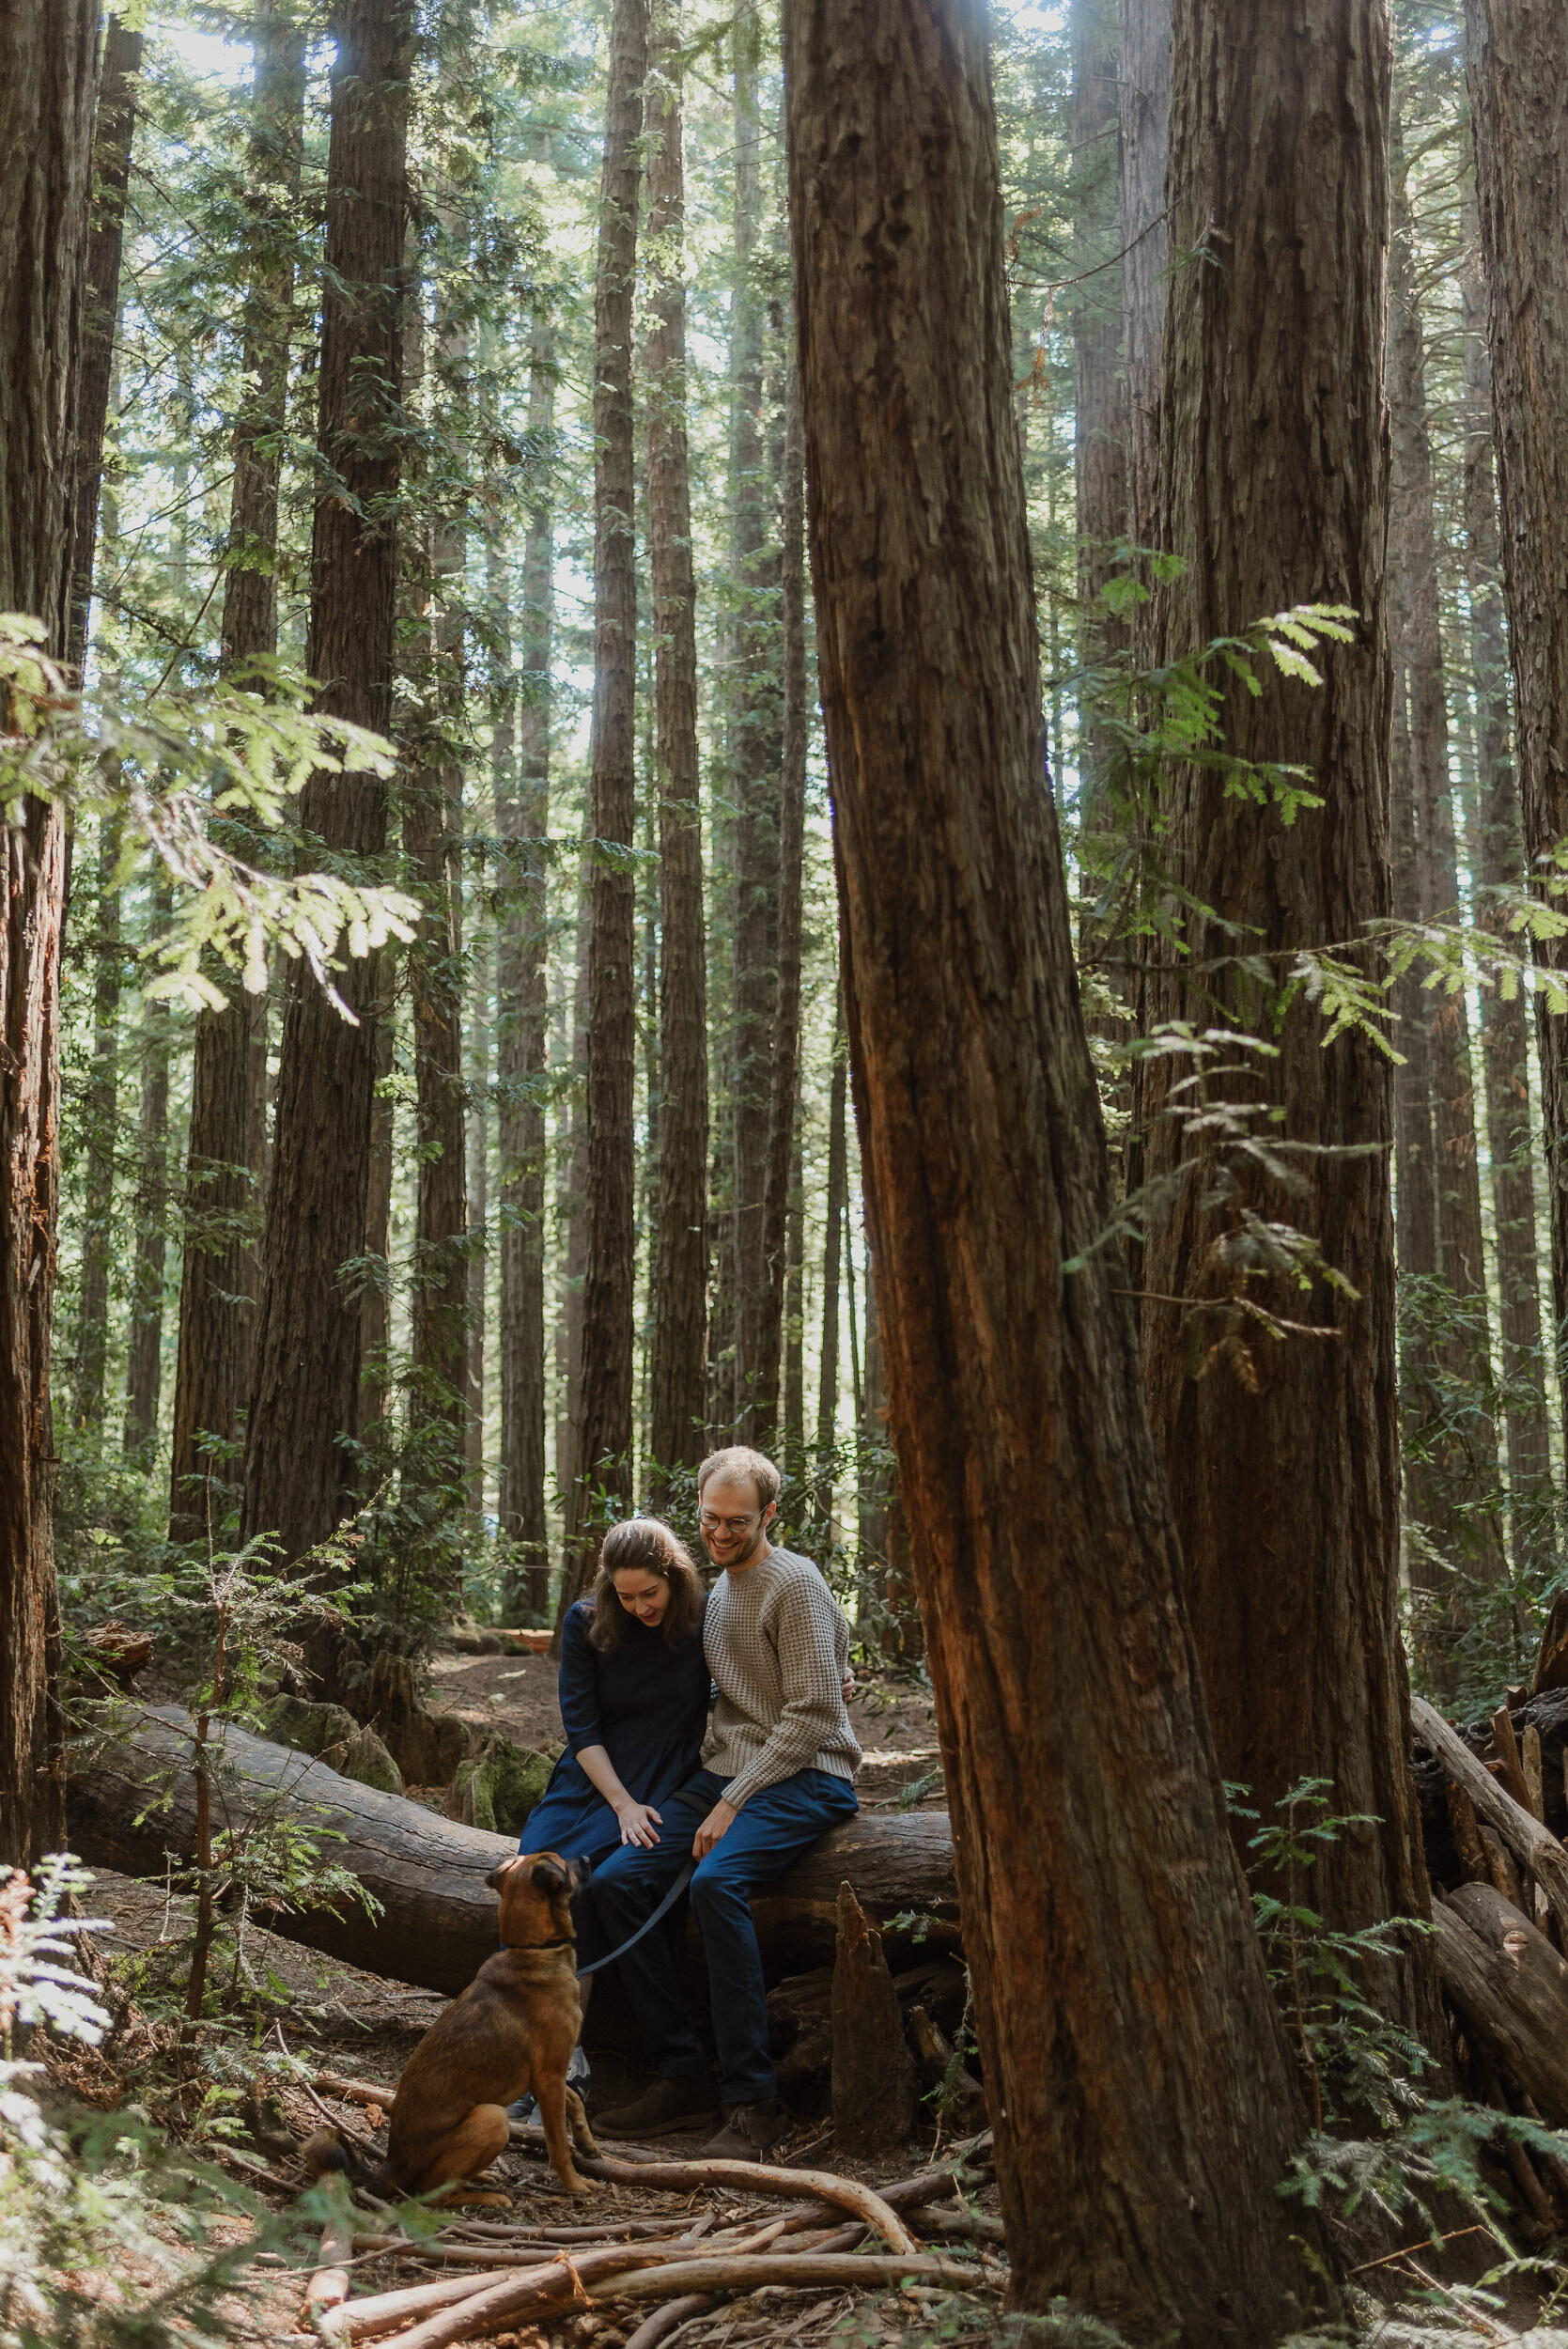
1281,146
114,129
48,86
299,1472
1136,2171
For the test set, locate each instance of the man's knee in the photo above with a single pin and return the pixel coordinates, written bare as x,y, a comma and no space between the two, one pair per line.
721,1883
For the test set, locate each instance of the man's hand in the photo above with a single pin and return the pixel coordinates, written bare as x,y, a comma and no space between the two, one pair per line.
718,1822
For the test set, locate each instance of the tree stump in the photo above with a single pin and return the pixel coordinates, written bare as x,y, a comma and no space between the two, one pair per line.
873,2075
426,1747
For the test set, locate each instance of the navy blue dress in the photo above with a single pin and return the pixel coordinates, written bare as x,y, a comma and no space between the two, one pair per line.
646,1702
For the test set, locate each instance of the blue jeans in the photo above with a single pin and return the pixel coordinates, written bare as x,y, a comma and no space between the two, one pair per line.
774,1829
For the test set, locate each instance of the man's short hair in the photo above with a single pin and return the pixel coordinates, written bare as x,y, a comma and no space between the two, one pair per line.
737,1460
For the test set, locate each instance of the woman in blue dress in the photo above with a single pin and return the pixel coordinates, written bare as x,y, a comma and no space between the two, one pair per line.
634,1697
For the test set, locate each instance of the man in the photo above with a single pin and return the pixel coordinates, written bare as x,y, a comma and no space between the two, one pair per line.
779,1769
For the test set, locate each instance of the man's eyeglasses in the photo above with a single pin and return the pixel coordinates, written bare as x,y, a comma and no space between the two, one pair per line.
710,1524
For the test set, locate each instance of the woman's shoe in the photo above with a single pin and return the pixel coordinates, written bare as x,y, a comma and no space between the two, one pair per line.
526,2110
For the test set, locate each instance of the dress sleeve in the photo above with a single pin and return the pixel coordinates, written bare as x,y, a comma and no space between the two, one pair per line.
579,1682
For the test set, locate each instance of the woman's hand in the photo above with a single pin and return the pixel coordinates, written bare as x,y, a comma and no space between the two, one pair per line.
639,1823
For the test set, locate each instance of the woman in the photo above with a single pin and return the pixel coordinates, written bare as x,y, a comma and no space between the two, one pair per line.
634,1696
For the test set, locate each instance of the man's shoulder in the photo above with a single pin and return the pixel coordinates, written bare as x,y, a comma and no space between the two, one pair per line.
791,1572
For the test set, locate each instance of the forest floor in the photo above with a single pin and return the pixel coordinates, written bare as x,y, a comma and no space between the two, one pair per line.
333,2019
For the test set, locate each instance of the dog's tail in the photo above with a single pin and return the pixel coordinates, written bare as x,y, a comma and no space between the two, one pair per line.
325,2152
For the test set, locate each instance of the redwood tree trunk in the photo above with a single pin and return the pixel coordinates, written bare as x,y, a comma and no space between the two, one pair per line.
299,1472
1504,1026
522,811
145,1361
1519,117
1461,1476
223,1163
1144,92
117,118
1292,1579
678,1369
100,1103
756,769
48,80
1099,383
604,1462
1136,2156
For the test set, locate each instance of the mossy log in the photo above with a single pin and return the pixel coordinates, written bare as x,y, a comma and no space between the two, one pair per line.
438,1924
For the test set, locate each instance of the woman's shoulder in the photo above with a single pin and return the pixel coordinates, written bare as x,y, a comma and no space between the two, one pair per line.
578,1619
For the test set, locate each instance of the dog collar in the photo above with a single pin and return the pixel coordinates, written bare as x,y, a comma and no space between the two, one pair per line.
562,1941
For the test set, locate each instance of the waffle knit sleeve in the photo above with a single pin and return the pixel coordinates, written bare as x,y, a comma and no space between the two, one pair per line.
807,1630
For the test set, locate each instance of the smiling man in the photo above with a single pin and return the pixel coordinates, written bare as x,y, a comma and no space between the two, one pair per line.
779,1769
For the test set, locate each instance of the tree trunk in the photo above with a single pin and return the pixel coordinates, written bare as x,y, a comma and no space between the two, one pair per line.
298,1471
145,1361
1504,1026
440,1922
786,1072
1464,1461
1292,1581
522,813
101,1108
832,1236
1519,118
375,1303
1093,1863
1100,384
116,118
1144,97
48,85
756,776
478,1142
794,1424
223,1164
571,1208
678,1368
604,1462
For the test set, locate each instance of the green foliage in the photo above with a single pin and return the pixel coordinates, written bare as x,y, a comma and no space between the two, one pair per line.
165,771
85,2193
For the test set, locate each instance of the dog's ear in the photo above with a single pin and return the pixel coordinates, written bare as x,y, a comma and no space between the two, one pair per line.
550,1876
498,1875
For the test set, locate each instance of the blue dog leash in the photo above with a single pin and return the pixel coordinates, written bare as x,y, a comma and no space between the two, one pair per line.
663,1909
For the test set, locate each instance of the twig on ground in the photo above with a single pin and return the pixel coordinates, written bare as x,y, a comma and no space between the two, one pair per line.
329,2286
665,2320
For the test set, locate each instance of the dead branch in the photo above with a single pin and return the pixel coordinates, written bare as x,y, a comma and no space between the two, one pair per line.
1530,1843
820,2186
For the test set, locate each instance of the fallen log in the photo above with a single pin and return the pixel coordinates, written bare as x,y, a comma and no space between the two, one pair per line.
438,1924
1531,1844
1510,1988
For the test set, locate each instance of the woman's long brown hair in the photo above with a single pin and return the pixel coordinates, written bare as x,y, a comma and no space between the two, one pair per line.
651,1546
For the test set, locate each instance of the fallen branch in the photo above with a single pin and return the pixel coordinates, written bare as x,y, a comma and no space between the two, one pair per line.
1532,1846
819,2186
383,2311
329,2286
653,2328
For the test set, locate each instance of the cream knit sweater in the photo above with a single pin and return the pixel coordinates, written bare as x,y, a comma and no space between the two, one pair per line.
776,1642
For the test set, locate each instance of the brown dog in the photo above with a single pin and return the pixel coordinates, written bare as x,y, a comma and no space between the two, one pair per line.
511,2031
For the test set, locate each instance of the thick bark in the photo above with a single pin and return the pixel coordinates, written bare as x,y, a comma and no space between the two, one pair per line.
522,813
1519,118
102,1106
832,1236
1292,1580
222,1167
1504,1026
430,1871
756,771
375,1303
1137,2166
1510,1987
299,1470
603,1461
145,1359
116,118
1144,95
48,81
678,1367
794,1409
571,1208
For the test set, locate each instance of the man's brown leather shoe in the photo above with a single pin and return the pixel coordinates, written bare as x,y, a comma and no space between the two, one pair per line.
667,2105
748,2133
